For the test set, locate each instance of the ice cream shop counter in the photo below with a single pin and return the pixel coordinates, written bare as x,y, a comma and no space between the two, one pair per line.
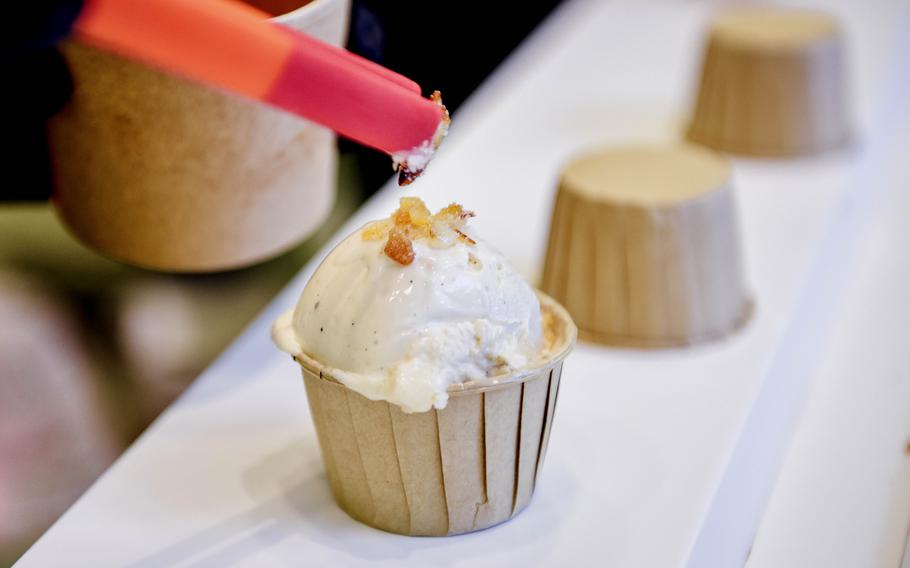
769,426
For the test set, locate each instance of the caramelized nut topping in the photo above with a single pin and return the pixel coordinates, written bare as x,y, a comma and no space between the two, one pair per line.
465,238
399,247
377,230
454,211
413,221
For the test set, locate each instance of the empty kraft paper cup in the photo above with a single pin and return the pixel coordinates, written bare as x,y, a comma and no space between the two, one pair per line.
644,247
467,467
773,83
160,172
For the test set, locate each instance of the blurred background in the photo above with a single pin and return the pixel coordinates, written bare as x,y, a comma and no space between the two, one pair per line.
92,350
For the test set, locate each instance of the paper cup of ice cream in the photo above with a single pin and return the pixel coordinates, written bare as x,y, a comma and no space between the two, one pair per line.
432,371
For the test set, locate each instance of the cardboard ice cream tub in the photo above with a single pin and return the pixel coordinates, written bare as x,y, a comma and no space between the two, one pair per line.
463,468
161,172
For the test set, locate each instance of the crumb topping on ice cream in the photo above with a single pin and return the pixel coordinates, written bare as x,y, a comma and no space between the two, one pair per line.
408,306
413,221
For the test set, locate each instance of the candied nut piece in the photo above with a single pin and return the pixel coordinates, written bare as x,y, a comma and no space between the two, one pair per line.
413,217
399,247
447,224
465,238
455,214
377,230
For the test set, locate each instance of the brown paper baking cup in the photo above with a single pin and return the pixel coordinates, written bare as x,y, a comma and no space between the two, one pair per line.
644,248
467,467
773,83
160,172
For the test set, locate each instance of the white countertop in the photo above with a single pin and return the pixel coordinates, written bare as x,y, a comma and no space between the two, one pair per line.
656,458
843,497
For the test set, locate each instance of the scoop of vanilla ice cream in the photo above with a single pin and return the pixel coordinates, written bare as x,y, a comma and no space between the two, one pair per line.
405,333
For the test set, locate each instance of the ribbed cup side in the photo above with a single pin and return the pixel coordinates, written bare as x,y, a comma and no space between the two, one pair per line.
647,275
467,467
771,100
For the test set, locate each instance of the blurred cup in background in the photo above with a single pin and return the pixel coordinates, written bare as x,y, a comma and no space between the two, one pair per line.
167,174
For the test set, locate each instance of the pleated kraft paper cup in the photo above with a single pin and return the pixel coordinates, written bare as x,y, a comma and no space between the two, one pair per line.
644,247
773,83
467,467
